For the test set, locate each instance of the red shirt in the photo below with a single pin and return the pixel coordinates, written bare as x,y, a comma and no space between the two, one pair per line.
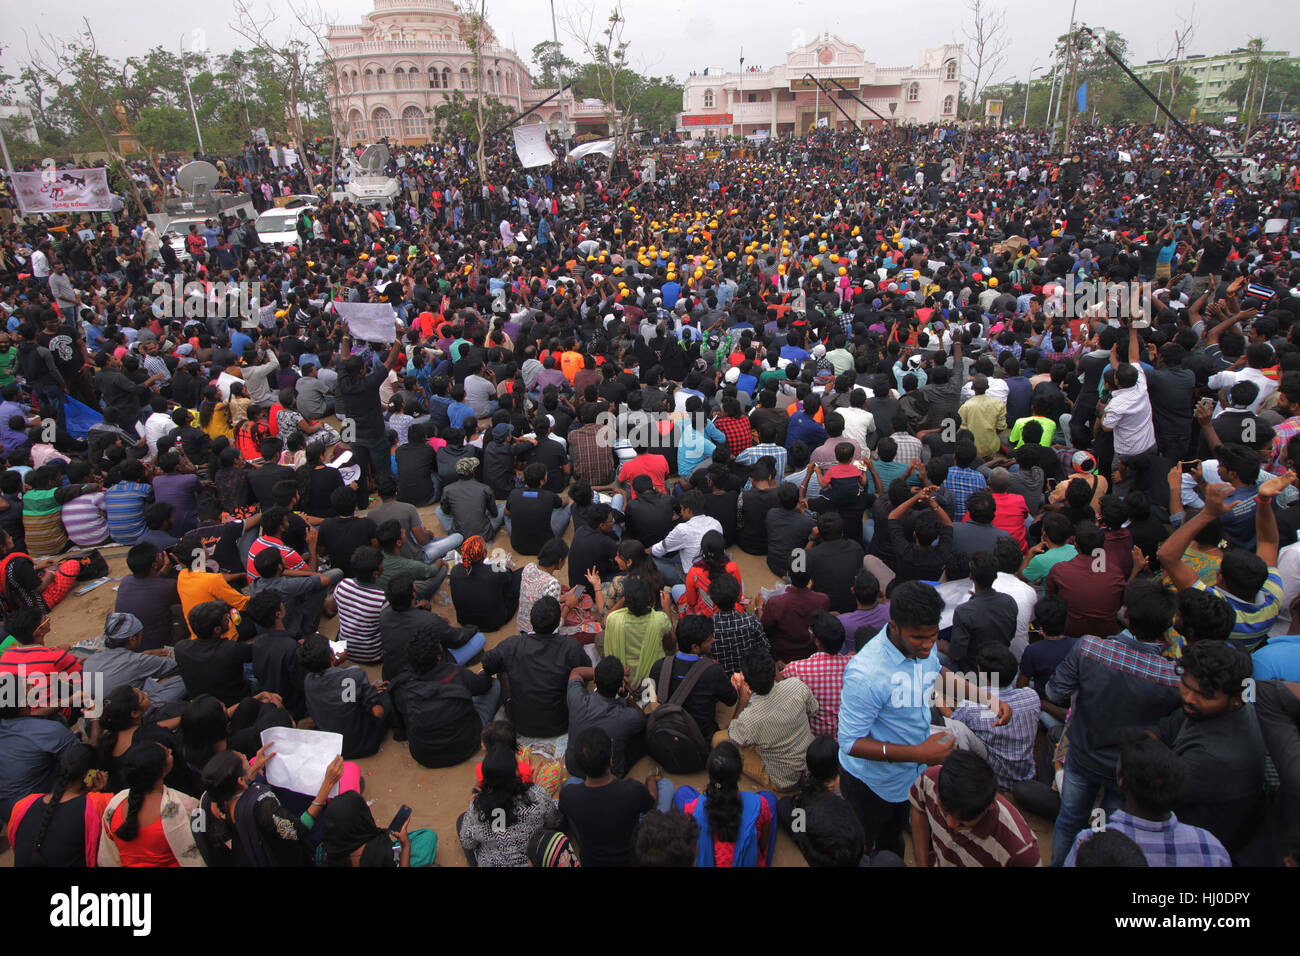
656,466
1010,516
293,561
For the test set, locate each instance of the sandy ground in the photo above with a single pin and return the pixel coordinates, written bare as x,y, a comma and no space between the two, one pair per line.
392,778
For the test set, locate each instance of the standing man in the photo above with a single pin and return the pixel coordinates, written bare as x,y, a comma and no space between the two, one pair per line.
359,392
884,732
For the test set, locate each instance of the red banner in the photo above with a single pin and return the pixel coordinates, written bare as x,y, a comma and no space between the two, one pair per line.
707,119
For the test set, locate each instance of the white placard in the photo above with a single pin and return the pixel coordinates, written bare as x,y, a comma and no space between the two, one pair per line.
531,147
301,758
369,321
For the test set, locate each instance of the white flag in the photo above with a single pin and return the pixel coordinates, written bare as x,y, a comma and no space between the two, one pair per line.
530,146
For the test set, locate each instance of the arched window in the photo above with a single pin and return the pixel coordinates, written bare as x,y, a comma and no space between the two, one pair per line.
464,78
413,75
413,121
913,92
708,99
446,77
435,78
343,82
355,81
370,80
491,82
383,123
381,79
950,71
356,127
947,103
399,79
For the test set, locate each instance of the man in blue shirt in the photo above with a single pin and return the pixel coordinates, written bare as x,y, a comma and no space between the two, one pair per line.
884,730
670,292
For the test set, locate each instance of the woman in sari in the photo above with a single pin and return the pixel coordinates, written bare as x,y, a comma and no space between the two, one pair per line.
148,824
61,828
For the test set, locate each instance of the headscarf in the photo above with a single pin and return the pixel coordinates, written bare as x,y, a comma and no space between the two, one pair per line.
346,825
473,550
119,628
551,848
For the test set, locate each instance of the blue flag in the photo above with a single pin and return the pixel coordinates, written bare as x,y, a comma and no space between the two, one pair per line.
1082,97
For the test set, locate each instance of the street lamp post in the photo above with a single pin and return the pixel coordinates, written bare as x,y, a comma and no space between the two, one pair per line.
564,113
1024,120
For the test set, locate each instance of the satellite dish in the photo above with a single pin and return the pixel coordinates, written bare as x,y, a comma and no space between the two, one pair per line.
374,159
196,178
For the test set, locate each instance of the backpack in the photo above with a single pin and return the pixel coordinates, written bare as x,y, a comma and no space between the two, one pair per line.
672,736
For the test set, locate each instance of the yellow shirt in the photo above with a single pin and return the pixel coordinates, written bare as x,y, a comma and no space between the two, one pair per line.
197,587
985,416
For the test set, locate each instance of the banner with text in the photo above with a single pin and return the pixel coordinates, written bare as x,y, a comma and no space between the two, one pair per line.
63,190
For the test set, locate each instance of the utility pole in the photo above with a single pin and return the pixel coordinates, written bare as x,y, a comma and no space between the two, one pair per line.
564,112
1072,56
190,94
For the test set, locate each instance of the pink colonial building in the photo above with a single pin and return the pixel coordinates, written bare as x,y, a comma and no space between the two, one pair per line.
782,100
406,57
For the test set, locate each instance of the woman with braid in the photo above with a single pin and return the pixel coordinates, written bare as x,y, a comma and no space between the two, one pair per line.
148,824
61,828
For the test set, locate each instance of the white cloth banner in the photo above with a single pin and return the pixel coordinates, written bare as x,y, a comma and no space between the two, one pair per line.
1125,157
531,147
369,321
602,146
301,758
63,190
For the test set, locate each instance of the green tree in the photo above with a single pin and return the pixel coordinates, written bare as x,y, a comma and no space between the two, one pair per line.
165,128
550,61
1283,78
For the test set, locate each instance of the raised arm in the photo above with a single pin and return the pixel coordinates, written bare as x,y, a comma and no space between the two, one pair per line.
1182,574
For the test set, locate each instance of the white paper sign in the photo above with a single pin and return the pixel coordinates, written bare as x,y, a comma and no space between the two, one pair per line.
531,147
301,758
369,321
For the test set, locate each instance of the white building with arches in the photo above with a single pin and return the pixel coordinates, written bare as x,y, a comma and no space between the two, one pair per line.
782,100
406,57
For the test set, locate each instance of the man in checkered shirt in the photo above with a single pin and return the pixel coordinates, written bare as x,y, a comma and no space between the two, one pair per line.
823,672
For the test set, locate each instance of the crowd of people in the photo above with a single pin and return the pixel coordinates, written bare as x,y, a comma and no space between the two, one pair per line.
807,467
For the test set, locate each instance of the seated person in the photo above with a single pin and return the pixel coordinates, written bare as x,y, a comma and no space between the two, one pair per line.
960,819
537,666
442,706
484,597
603,809
210,663
342,700
736,828
1009,748
771,717
829,833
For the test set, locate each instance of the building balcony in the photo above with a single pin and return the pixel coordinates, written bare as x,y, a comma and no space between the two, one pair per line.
413,47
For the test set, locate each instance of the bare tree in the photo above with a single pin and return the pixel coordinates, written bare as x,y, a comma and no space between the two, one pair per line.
311,17
606,49
292,60
985,55
475,33
1183,34
985,49
80,74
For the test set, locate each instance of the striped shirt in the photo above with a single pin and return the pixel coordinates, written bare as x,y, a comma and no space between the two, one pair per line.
359,606
1254,618
1164,842
85,519
1000,838
1011,746
125,502
293,561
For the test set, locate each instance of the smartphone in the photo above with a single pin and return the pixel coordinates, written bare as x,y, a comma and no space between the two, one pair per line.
399,821
1187,466
1207,402
578,589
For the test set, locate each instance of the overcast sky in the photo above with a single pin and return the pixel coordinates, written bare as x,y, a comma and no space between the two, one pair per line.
678,36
